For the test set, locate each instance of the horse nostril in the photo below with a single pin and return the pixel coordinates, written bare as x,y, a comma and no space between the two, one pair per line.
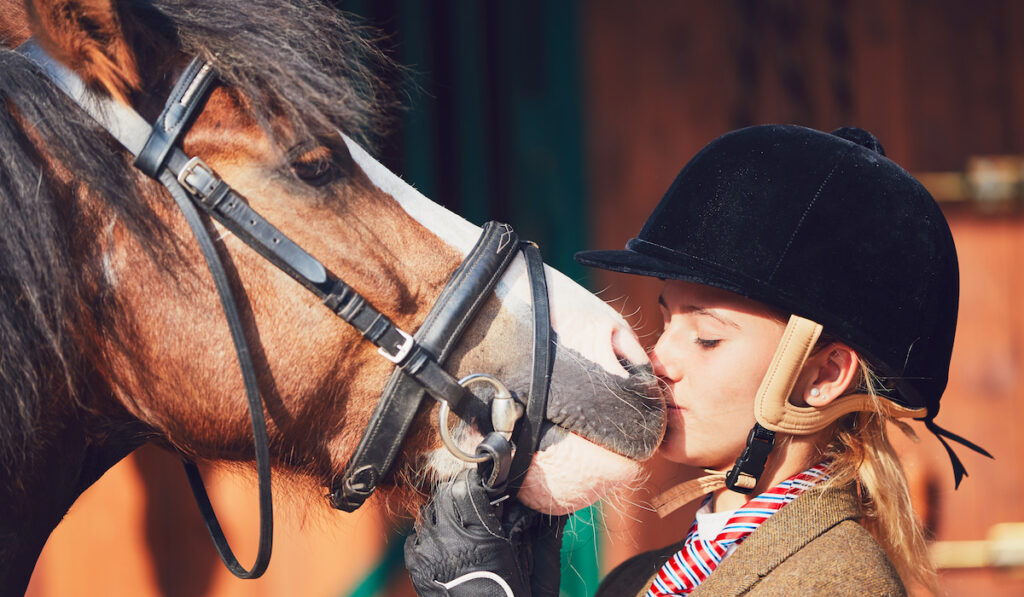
628,351
628,366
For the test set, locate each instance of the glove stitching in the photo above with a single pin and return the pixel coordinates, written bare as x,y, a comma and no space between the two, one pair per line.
483,518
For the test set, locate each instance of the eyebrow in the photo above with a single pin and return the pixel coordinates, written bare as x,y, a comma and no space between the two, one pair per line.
701,311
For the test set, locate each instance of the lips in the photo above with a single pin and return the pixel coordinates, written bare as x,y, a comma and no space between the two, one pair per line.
675,414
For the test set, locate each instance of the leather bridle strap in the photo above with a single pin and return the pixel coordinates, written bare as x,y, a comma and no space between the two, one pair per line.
459,302
527,438
252,394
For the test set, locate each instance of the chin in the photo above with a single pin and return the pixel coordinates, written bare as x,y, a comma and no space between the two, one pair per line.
573,474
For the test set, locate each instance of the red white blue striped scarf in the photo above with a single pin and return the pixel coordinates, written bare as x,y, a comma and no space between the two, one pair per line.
699,557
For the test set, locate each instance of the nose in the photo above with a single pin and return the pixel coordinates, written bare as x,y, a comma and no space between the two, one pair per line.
662,363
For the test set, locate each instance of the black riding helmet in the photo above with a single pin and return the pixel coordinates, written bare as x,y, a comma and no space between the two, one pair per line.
822,226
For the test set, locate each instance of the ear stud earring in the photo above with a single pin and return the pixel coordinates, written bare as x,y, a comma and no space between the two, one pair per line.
815,392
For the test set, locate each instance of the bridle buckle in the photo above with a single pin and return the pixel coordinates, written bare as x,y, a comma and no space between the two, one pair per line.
400,351
189,169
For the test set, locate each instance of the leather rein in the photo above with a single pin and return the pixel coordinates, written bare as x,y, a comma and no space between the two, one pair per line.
418,358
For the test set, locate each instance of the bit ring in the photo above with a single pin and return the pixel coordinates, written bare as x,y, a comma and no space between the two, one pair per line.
442,416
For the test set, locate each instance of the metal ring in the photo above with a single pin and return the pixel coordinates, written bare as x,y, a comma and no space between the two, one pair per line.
442,417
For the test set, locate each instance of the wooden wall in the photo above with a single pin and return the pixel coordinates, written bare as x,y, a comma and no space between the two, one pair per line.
936,82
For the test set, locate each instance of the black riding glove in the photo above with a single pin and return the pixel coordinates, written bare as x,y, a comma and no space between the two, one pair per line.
465,547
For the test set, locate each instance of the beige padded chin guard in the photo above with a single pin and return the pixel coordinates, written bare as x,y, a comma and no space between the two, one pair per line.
774,411
772,407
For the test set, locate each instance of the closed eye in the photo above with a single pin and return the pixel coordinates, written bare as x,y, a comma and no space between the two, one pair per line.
707,343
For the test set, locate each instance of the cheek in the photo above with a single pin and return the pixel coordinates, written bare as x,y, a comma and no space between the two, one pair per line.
718,395
726,410
730,376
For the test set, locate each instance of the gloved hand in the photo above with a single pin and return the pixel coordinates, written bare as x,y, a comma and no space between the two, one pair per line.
465,547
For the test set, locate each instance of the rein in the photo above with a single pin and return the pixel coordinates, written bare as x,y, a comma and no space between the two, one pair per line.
418,359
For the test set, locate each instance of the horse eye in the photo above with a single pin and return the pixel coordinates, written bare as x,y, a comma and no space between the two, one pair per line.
316,172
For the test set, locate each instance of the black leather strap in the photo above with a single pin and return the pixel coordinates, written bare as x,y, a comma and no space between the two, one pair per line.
218,199
181,105
259,426
466,291
527,437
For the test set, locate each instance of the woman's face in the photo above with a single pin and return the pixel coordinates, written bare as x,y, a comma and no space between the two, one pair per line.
715,348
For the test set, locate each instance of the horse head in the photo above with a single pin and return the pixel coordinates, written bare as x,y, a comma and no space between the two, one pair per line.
112,330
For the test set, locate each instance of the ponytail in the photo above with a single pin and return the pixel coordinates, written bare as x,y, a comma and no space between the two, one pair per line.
861,453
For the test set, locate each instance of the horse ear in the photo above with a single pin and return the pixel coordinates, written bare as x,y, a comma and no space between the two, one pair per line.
88,36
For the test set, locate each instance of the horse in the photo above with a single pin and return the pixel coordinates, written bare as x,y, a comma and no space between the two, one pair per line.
110,330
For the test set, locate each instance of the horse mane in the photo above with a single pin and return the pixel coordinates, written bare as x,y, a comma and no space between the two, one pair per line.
300,60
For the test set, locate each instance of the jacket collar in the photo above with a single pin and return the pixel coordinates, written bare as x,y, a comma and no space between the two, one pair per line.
787,531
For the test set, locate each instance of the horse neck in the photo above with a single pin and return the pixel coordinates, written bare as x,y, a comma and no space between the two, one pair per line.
72,448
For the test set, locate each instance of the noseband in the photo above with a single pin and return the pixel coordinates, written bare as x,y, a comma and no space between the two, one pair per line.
418,358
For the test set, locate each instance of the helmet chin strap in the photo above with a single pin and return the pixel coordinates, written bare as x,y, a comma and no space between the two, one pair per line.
775,413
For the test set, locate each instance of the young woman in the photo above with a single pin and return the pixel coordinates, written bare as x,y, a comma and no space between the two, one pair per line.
809,300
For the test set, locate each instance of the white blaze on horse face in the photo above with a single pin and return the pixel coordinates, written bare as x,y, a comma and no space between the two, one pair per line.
583,322
573,472
449,227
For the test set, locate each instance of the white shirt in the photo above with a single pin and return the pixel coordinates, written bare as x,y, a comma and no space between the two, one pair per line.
709,524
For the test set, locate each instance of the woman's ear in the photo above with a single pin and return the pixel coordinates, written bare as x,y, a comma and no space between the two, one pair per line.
827,375
88,36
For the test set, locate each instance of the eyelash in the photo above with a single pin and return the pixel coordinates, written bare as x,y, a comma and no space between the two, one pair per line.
704,343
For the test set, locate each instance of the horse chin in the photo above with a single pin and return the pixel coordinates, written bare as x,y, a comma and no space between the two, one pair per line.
568,473
571,473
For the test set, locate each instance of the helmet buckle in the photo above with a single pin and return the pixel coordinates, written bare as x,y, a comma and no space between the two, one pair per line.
748,468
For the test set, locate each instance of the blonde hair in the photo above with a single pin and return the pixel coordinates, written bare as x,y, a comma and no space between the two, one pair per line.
862,454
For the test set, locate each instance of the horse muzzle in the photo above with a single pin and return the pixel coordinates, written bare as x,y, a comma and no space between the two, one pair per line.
625,415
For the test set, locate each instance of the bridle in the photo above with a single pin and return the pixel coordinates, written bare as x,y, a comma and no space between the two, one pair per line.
418,358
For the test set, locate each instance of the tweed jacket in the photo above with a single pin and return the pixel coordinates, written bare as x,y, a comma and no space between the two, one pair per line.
813,546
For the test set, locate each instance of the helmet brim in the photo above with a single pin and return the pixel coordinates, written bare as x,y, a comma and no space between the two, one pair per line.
630,261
